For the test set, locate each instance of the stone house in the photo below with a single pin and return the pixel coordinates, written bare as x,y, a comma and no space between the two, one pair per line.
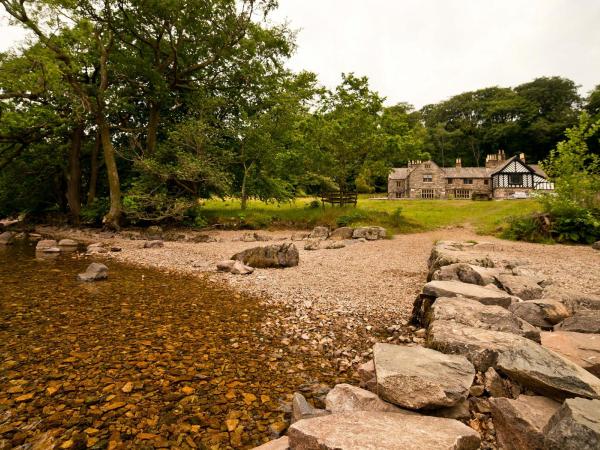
500,178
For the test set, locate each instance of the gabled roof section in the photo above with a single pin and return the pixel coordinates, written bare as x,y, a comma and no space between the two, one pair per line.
532,168
466,172
399,173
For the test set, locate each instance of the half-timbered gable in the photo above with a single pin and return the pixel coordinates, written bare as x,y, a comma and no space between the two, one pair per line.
515,176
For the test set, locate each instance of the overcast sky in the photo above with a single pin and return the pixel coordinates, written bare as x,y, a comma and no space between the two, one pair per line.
424,51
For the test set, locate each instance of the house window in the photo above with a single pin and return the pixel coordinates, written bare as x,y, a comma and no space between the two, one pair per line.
515,179
398,183
462,193
449,180
486,182
427,178
467,180
427,166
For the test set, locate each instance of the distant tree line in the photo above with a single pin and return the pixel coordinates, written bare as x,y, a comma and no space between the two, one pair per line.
117,111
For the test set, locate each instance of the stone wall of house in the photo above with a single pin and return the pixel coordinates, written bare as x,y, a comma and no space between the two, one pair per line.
417,185
507,192
395,186
479,186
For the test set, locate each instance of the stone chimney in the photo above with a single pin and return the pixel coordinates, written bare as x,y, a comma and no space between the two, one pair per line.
494,160
458,163
522,156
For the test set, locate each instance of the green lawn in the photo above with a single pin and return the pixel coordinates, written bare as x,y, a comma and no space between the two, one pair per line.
487,217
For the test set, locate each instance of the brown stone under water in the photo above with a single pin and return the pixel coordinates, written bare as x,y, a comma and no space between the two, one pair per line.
143,359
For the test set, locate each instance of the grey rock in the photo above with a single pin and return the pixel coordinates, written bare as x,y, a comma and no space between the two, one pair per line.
341,234
596,245
96,248
335,245
369,233
581,348
154,244
420,378
51,250
575,426
581,322
346,398
525,288
474,314
381,430
459,289
460,411
7,238
467,273
445,253
366,374
302,410
254,236
312,244
544,313
576,302
67,243
319,233
203,238
277,255
45,243
283,443
520,359
94,272
519,423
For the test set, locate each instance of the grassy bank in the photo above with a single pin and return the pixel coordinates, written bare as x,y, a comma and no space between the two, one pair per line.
414,215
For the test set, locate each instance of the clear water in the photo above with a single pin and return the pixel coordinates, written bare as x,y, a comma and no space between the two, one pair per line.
144,359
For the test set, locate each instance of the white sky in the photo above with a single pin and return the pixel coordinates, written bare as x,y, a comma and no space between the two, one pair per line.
424,51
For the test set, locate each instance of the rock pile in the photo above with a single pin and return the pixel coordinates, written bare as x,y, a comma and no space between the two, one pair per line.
489,361
340,237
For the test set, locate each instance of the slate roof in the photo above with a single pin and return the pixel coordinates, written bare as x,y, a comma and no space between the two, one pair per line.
466,172
399,173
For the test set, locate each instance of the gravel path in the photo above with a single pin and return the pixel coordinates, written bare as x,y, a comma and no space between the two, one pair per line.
375,282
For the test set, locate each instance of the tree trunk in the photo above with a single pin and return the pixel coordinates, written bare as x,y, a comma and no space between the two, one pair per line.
74,175
153,121
94,167
113,218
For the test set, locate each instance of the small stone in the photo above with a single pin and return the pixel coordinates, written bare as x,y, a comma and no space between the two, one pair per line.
188,390
128,387
24,398
94,272
154,244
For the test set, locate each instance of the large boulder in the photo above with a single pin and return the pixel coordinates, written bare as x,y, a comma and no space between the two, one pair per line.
520,359
254,236
381,430
277,255
301,409
475,314
519,423
319,233
312,244
525,288
345,398
581,322
7,238
421,378
581,348
94,272
45,244
366,374
467,273
341,234
596,245
544,313
369,233
96,248
447,252
484,295
575,426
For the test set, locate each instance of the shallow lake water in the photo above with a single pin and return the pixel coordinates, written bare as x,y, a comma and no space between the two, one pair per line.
145,359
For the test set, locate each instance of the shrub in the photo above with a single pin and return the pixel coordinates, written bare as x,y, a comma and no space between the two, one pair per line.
314,204
349,219
92,214
396,218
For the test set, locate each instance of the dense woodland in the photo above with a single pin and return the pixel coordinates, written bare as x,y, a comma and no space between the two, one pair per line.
130,111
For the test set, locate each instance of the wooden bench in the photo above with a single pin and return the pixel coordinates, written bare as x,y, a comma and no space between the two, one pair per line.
339,198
